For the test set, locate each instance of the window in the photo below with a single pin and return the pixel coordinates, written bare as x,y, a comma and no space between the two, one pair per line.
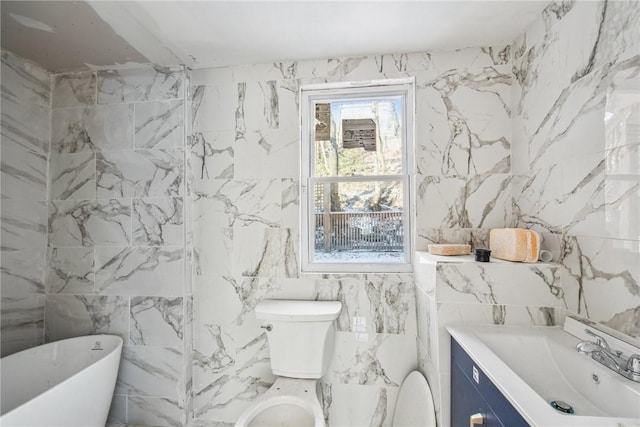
355,195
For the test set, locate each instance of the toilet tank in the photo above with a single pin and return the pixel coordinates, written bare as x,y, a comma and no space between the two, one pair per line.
301,335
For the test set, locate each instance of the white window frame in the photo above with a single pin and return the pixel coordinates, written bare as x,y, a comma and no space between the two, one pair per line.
309,94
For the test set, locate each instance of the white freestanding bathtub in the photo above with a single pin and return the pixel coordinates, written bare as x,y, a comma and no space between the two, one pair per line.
64,383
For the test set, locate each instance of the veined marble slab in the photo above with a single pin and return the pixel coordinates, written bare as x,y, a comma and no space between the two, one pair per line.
142,84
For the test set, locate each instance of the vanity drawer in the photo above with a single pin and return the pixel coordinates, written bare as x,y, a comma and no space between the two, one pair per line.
473,392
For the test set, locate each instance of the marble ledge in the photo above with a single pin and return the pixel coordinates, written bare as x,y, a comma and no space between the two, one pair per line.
461,279
422,257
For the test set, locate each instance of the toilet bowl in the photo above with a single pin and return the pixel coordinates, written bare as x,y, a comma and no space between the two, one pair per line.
301,337
289,402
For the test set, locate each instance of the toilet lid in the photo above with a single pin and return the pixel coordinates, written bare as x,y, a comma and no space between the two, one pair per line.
414,406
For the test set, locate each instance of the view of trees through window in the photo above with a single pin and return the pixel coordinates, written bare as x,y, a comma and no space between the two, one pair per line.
358,191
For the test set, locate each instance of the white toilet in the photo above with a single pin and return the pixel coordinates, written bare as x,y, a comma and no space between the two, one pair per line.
301,338
414,406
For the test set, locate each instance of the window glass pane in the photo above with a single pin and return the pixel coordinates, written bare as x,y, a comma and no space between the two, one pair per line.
358,138
358,221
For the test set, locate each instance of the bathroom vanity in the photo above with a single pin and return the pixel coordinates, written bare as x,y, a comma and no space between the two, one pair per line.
474,395
525,375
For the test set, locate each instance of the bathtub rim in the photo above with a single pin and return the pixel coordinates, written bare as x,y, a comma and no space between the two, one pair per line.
116,349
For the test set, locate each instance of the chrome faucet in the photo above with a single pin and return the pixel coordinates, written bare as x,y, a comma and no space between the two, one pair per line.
614,360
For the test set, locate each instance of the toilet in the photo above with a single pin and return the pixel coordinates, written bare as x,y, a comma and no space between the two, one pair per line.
414,405
301,338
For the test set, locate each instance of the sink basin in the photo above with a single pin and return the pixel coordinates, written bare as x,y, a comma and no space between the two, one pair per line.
533,366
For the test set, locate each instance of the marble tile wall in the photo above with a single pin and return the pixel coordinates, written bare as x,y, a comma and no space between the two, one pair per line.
577,144
244,170
24,151
116,231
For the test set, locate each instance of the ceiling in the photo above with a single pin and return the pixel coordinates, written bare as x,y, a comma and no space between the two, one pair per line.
75,35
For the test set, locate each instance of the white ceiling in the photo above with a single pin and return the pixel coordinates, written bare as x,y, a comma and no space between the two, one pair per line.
64,36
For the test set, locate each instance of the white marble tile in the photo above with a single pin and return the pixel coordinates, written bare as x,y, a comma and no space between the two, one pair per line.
24,82
142,84
482,201
289,103
372,359
23,173
355,68
79,129
70,271
159,124
279,71
290,207
213,250
466,147
74,89
258,107
500,283
154,411
157,321
215,107
236,203
623,160
353,405
158,222
535,200
212,156
24,125
606,276
22,323
231,368
406,63
89,222
371,306
602,205
150,371
140,173
559,58
228,301
265,252
24,224
468,131
468,92
619,32
212,76
424,317
139,271
267,154
469,57
72,176
22,273
74,315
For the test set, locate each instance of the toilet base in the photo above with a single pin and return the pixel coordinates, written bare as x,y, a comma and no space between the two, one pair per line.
289,402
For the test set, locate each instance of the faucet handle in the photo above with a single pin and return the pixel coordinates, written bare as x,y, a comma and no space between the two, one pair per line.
633,364
599,340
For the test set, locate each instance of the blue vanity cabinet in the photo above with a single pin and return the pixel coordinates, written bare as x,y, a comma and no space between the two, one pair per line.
472,393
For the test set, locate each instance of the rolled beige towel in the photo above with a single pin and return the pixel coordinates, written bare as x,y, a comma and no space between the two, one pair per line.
449,249
514,244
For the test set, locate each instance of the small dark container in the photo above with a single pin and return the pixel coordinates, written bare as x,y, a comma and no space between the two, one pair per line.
482,255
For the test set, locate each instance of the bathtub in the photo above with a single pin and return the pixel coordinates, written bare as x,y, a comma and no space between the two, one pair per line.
64,383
